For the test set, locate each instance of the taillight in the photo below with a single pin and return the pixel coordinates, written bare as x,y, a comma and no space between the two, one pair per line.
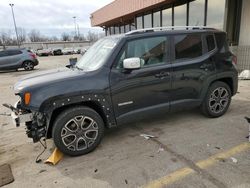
33,55
234,60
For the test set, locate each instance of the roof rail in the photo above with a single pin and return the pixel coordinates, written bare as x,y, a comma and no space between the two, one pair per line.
166,28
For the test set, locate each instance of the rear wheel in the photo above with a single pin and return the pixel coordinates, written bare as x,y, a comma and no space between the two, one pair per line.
78,131
28,65
217,100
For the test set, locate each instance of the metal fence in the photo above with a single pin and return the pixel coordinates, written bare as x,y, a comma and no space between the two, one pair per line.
243,57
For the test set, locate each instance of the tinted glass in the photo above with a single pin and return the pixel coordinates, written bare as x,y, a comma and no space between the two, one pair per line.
157,21
188,46
196,12
14,52
148,21
216,13
3,53
122,29
139,22
210,42
180,15
167,17
151,50
221,42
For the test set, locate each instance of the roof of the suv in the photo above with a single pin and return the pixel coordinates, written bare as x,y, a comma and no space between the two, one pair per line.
166,30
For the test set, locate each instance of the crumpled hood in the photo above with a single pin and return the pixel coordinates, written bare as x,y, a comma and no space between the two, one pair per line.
45,77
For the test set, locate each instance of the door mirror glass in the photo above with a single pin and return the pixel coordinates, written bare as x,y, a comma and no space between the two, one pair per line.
132,63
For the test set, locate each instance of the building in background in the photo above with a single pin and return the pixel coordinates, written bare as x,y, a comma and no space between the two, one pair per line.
121,16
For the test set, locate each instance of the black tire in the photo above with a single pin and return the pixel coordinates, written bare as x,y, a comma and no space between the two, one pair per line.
28,65
217,100
74,139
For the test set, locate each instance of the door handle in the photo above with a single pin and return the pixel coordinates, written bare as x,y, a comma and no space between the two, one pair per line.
162,75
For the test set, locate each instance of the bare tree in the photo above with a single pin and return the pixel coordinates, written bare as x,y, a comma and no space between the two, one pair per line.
35,36
92,37
21,34
5,39
65,37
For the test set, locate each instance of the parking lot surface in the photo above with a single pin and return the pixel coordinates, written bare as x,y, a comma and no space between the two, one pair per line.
189,150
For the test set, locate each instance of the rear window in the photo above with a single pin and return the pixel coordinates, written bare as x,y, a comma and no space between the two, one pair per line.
210,42
188,46
14,52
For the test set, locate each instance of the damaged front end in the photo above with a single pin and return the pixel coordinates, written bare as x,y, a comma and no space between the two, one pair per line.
35,121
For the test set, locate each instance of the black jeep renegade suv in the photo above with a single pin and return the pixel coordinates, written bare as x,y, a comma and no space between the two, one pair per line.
124,78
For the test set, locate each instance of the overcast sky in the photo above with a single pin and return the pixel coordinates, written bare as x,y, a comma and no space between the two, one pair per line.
50,17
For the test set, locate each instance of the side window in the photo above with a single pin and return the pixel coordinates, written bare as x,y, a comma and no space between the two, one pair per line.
188,46
14,52
3,53
152,51
210,42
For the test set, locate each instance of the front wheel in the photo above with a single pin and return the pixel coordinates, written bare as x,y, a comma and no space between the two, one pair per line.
217,100
78,131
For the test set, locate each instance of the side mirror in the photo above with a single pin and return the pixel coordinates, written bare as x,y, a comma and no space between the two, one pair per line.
132,63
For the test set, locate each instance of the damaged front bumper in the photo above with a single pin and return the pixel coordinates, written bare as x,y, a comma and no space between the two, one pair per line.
35,122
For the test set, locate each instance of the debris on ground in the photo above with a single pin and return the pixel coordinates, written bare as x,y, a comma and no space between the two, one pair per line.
160,149
5,114
55,157
96,170
41,171
126,181
234,160
208,145
6,175
217,147
147,136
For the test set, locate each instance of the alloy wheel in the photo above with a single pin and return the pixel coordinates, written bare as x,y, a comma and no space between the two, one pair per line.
79,133
218,100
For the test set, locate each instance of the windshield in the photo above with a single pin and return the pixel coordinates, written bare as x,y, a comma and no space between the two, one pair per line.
96,55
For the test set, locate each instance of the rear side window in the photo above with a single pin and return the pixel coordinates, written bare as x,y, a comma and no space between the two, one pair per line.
188,46
14,52
210,42
3,53
221,41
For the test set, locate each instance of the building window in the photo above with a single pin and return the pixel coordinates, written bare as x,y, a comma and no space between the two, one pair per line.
122,28
148,21
180,15
112,30
196,13
117,30
188,46
132,26
157,19
215,13
139,22
127,28
167,17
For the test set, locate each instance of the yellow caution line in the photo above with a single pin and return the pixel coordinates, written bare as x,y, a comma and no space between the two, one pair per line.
181,173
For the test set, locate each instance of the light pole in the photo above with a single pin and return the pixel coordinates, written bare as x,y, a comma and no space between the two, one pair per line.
11,5
74,17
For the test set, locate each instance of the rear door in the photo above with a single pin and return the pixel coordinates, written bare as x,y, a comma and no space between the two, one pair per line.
192,66
14,57
140,93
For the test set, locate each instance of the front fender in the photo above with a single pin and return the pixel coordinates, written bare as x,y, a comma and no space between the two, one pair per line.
101,100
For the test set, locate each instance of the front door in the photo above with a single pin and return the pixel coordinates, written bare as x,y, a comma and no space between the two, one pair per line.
138,93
